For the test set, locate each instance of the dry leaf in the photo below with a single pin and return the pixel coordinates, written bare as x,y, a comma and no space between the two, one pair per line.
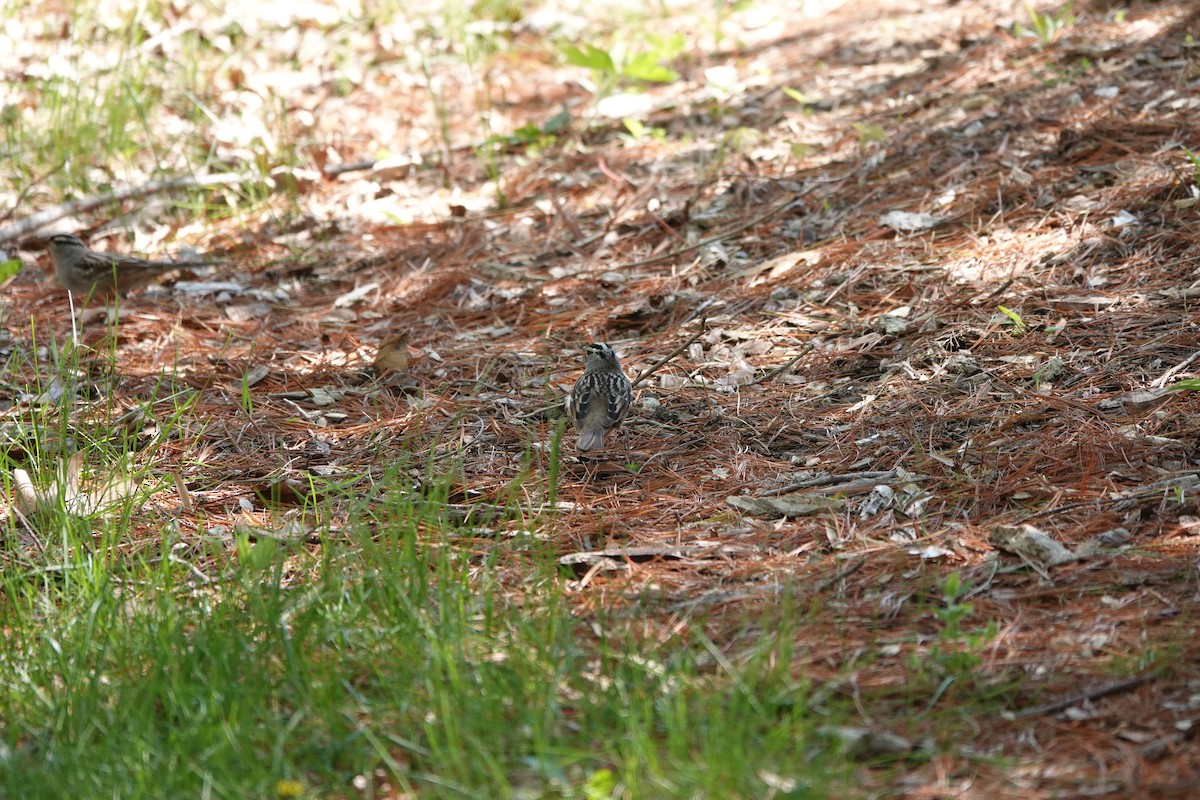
185,497
67,486
28,498
354,295
393,354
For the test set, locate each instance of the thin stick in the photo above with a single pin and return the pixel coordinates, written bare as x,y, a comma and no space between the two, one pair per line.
29,528
1094,693
725,234
74,327
780,369
1161,380
647,373
829,480
845,573
24,192
45,217
333,170
736,229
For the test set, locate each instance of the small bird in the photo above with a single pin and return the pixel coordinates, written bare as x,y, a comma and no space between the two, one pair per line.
600,399
87,272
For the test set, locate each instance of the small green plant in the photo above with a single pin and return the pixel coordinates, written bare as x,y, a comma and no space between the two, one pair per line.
1141,660
803,99
869,133
639,131
957,653
1194,160
493,153
257,555
800,150
1018,324
600,785
1045,26
953,612
247,397
530,135
611,69
1049,371
741,140
9,268
735,141
1186,385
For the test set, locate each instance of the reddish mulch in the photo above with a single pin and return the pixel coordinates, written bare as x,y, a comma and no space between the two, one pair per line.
907,369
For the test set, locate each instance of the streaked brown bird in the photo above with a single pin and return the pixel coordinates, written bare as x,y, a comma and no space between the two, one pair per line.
89,272
600,399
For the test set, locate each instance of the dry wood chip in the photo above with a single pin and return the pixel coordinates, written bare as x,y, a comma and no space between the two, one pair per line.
1035,547
617,559
800,504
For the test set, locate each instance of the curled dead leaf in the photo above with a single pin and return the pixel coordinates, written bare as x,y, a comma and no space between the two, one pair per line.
393,354
67,489
28,499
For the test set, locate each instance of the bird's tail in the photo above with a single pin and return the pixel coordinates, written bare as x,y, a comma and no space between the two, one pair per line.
590,439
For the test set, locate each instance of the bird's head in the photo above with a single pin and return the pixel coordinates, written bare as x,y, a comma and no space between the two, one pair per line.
601,356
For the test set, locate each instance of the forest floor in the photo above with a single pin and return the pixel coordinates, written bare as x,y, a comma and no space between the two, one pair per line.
934,276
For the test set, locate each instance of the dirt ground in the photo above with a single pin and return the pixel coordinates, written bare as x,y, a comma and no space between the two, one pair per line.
915,386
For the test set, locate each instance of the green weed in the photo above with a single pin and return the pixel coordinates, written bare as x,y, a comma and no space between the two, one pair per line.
1045,26
1018,324
615,68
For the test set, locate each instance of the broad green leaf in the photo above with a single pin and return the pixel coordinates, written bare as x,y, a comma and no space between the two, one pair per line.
645,67
666,48
592,58
558,122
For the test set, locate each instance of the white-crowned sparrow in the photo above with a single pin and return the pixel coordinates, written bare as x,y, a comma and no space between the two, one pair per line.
88,272
600,399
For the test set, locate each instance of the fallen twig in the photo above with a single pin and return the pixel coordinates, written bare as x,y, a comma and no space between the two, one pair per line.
827,480
1163,379
46,216
21,197
780,369
333,170
648,372
1094,693
1179,481
842,574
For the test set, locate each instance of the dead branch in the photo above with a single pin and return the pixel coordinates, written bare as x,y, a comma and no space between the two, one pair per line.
857,479
1094,693
46,216
648,372
25,192
842,574
780,369
333,170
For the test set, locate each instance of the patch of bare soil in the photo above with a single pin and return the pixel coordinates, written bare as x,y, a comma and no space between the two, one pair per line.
993,358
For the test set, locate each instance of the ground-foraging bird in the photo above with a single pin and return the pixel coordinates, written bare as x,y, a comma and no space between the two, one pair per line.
600,399
87,272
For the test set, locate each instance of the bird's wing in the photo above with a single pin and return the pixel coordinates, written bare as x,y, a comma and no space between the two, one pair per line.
580,400
618,403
